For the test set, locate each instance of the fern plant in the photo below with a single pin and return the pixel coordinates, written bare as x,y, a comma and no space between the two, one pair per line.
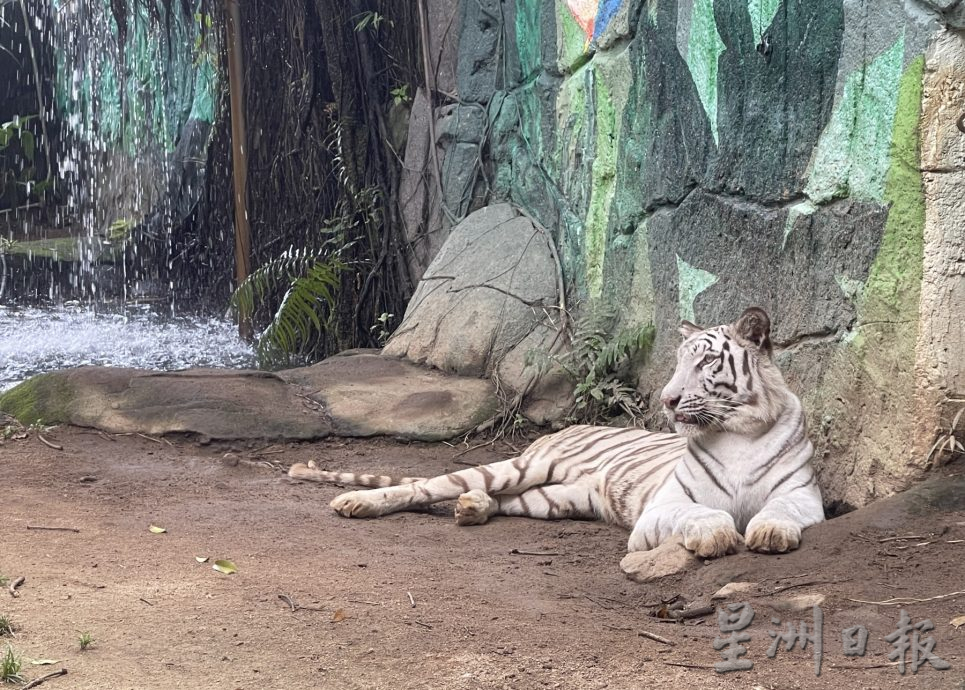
601,366
310,280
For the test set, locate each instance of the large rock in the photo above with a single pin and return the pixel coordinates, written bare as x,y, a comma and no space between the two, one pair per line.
354,395
368,395
489,288
219,404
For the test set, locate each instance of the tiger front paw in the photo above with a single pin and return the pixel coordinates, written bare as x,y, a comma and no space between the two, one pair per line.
475,508
773,536
355,504
710,537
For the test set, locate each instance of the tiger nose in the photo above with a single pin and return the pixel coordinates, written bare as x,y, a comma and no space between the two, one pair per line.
670,402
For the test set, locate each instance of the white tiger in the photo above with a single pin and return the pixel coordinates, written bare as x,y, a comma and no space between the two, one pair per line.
739,463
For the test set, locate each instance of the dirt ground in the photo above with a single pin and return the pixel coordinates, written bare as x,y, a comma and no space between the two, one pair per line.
483,612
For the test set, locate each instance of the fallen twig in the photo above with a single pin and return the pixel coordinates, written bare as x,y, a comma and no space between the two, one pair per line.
145,601
411,600
785,577
37,681
804,584
598,603
362,601
49,444
521,552
472,448
902,601
677,663
288,600
424,625
13,586
884,665
53,529
149,438
907,536
921,543
656,638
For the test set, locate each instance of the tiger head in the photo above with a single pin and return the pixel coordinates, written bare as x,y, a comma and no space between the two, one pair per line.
726,379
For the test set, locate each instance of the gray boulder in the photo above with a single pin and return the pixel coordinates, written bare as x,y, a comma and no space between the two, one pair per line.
486,298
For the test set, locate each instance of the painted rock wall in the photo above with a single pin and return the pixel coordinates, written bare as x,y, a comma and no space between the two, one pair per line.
694,157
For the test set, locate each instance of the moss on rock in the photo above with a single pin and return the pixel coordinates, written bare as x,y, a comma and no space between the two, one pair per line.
44,399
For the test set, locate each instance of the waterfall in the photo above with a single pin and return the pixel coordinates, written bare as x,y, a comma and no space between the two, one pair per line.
130,88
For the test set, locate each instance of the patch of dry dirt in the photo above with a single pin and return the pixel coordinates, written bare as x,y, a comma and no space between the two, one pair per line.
484,617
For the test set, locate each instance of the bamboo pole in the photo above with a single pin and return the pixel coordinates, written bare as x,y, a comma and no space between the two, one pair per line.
239,157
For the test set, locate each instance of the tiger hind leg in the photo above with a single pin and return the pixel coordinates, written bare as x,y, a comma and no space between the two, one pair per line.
549,502
512,476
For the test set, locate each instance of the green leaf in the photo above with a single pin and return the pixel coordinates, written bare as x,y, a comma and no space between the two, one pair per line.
28,143
307,304
225,566
157,530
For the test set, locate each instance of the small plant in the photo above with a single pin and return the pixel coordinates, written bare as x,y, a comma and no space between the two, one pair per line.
400,94
382,324
370,19
6,626
17,150
120,229
601,366
84,640
948,442
310,279
10,665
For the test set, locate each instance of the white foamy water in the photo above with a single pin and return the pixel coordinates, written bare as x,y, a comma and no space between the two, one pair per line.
34,341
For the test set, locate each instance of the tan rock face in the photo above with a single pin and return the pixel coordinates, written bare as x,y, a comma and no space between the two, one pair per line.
354,395
370,394
940,365
217,403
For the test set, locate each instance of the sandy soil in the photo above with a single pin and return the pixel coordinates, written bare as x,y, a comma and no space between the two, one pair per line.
484,616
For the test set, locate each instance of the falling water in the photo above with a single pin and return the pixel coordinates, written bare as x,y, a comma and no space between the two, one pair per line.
91,278
34,341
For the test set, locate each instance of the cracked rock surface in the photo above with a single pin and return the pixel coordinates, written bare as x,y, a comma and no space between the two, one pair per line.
482,295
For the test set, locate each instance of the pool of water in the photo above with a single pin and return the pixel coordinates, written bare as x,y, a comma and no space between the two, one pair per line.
34,340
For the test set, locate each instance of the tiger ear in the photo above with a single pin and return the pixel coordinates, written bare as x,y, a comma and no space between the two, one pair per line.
687,329
754,328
